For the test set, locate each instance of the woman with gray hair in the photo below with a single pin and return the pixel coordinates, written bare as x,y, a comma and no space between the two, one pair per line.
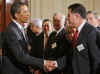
35,40
36,26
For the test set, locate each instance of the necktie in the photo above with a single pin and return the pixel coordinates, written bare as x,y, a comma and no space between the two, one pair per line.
25,33
55,33
75,38
45,39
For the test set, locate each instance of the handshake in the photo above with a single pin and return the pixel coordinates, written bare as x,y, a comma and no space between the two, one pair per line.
49,65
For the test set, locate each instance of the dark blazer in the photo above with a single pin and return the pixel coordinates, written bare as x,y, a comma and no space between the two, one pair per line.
98,27
59,48
37,43
1,50
1,39
16,50
86,54
56,48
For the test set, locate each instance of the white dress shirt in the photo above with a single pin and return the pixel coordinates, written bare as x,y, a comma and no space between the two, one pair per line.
81,26
20,27
59,30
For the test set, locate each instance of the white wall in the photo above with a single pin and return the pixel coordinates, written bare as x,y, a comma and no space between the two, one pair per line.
46,8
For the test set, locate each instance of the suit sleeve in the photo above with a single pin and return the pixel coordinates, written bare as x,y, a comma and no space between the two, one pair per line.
1,40
98,38
65,63
18,52
94,52
61,63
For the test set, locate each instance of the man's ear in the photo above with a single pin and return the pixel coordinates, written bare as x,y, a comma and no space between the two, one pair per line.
16,15
77,15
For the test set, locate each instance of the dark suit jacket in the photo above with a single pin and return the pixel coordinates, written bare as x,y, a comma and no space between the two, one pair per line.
1,39
16,49
86,54
98,28
58,50
59,43
1,42
37,44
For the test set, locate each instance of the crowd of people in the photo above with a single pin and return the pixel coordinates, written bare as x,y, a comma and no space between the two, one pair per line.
65,45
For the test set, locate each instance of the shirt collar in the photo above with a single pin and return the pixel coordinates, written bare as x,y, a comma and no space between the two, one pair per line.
19,26
60,29
81,26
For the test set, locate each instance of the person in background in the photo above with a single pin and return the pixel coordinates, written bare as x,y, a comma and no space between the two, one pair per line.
1,41
98,17
47,29
34,36
35,40
70,33
65,23
1,45
56,46
40,41
92,18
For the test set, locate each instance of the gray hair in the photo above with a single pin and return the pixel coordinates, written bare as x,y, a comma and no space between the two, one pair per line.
37,22
61,16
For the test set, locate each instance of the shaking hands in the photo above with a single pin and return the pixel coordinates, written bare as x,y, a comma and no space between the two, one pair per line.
49,65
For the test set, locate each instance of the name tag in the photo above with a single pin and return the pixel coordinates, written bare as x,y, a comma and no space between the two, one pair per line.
80,47
54,45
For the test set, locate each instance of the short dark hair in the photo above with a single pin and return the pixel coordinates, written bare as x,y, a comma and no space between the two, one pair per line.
45,20
15,8
94,13
78,8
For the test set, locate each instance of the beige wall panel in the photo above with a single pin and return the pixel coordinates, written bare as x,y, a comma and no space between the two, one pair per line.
46,8
97,6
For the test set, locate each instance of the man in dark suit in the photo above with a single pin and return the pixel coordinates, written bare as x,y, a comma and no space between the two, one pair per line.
16,45
86,51
56,46
0,46
92,18
1,51
35,37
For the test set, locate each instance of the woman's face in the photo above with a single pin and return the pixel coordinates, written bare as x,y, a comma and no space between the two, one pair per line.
46,26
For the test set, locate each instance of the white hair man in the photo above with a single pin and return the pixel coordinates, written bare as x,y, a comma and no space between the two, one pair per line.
56,45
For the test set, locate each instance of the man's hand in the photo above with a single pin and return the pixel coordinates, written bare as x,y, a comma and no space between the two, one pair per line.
50,65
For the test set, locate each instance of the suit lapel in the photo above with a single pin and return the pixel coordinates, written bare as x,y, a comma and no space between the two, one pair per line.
83,34
18,31
61,33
